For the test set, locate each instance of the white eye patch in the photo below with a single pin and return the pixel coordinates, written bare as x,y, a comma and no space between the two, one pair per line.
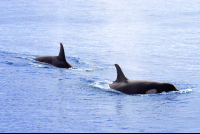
151,91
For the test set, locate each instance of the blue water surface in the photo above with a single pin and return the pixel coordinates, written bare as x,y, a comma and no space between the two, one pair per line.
150,39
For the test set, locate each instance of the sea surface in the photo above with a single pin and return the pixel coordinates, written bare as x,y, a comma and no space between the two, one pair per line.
150,40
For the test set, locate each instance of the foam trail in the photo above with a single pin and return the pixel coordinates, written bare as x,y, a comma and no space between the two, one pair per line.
78,60
91,68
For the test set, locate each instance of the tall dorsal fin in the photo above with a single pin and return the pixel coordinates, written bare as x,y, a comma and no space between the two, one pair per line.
120,74
61,55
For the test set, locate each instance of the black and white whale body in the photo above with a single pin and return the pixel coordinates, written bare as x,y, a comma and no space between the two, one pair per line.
127,86
58,61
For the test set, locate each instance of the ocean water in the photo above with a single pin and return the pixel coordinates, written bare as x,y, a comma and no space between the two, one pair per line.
150,39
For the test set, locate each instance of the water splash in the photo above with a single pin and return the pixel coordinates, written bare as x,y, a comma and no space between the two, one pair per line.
179,92
172,92
185,91
104,85
41,65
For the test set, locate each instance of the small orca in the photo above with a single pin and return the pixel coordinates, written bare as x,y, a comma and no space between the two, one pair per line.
58,61
127,86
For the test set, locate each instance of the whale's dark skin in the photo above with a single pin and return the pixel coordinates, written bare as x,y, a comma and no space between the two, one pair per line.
58,61
127,86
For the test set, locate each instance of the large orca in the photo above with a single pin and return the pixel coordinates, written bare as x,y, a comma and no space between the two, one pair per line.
127,86
58,61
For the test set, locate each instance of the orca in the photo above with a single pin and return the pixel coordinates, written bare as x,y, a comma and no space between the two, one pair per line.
58,61
127,86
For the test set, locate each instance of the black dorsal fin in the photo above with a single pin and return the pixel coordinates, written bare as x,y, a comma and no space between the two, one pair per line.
61,55
120,75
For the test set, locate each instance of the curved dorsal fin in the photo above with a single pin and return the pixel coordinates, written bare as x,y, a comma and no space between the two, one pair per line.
120,74
61,55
